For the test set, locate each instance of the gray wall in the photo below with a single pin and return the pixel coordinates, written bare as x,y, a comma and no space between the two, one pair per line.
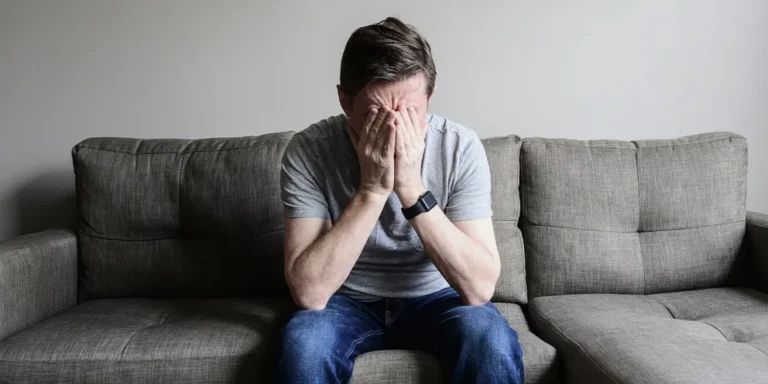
71,69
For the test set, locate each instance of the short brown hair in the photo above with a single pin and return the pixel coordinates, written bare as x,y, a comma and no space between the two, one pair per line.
387,51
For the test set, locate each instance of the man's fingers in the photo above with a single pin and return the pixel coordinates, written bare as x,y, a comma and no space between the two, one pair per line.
353,136
404,133
381,119
369,119
418,126
366,131
407,121
389,147
400,136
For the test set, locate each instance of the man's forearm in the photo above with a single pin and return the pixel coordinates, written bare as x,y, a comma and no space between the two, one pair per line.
321,269
466,264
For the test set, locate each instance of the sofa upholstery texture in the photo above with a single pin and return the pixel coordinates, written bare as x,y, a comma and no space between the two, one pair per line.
640,273
177,265
622,262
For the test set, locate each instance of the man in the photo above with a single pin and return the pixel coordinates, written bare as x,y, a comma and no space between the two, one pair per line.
388,236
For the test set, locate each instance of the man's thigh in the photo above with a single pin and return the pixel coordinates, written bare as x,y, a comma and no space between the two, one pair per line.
441,321
343,329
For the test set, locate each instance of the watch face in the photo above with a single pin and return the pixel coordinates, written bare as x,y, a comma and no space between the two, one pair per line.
429,200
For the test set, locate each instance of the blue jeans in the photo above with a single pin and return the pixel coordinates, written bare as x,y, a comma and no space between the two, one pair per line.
474,344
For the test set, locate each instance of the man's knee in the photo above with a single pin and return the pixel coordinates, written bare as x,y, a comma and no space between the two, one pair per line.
309,334
484,327
309,348
482,333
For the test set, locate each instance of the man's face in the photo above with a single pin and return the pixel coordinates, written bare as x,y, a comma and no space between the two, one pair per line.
411,92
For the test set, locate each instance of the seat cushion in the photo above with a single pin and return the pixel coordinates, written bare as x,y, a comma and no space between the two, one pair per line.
395,367
142,340
717,335
398,366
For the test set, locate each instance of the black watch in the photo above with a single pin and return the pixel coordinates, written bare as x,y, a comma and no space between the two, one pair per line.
425,203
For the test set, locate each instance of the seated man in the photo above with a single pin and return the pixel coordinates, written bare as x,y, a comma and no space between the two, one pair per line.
389,241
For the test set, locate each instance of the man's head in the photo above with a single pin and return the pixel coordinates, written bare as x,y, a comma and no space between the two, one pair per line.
385,65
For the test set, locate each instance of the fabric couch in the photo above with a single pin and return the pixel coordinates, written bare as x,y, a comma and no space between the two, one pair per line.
631,261
643,263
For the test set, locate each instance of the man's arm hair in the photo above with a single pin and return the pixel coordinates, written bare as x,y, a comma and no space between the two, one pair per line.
319,256
464,252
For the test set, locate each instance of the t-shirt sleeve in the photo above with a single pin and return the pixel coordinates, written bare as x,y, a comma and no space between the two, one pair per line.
300,189
470,198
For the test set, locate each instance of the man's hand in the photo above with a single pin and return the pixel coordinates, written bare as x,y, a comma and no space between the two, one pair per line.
408,155
375,146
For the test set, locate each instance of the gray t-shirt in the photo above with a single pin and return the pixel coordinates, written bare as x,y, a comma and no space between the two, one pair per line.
320,173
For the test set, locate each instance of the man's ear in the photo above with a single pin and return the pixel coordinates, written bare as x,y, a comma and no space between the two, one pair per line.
344,101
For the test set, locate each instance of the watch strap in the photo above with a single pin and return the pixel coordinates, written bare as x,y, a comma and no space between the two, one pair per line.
425,203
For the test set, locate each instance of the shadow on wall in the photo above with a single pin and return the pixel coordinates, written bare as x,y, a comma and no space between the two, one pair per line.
46,201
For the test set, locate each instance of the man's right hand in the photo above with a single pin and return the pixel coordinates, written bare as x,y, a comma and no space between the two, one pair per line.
375,147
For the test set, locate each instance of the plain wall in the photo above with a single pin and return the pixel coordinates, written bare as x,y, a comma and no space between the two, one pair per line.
72,69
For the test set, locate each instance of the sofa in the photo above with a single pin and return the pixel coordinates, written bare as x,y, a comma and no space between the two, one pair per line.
622,262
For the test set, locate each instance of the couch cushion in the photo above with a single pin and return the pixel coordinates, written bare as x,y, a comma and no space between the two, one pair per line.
633,217
503,155
398,366
179,217
706,336
148,340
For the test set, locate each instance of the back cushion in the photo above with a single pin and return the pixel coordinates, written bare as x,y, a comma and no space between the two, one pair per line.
504,160
632,217
180,217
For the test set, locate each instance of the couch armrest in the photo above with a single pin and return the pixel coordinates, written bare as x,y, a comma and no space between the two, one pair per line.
38,278
756,244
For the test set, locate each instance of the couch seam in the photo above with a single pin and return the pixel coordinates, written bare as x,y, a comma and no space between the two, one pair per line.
667,308
122,352
760,350
716,328
121,361
659,230
180,176
700,321
28,245
729,138
79,146
178,237
580,348
36,243
639,212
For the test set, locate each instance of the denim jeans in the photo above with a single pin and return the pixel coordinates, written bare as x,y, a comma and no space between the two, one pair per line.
474,344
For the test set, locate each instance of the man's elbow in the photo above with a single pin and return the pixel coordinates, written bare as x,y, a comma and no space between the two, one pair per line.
307,297
312,302
479,296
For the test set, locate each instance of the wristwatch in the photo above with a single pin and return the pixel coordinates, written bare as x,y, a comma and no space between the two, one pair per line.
425,203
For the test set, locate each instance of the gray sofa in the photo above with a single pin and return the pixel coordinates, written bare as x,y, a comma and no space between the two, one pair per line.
632,262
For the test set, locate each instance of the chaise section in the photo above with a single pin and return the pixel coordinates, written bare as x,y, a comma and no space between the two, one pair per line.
713,336
148,340
634,250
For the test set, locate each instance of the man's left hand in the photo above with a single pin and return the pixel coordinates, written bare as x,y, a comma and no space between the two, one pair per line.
409,151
